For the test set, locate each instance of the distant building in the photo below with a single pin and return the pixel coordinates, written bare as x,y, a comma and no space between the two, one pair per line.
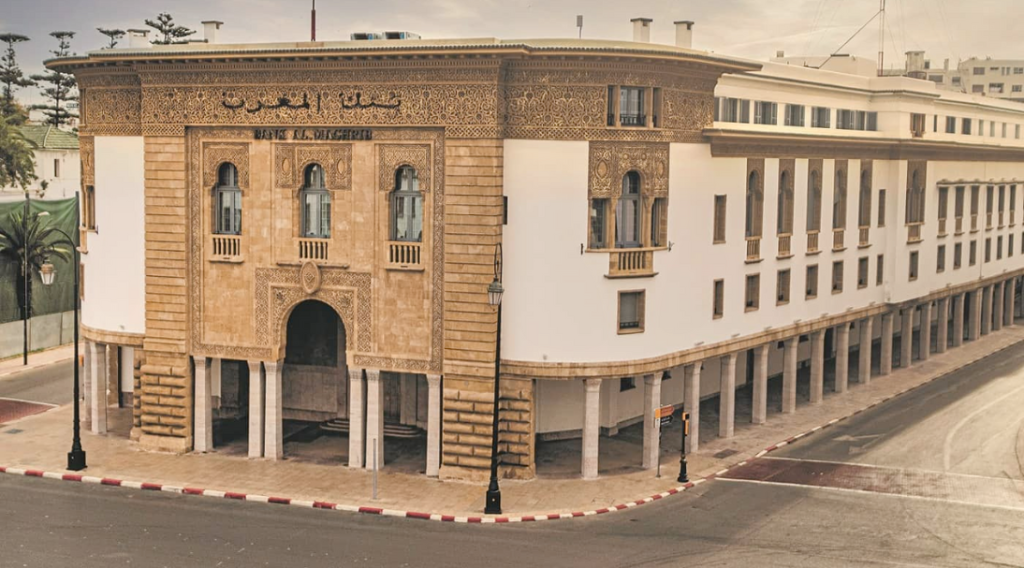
998,78
57,164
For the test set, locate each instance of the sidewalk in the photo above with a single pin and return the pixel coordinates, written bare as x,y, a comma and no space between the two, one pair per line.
13,365
43,442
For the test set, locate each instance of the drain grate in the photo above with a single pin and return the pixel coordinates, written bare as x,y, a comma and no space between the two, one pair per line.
725,453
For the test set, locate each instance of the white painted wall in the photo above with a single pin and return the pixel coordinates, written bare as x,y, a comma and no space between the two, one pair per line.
63,179
115,266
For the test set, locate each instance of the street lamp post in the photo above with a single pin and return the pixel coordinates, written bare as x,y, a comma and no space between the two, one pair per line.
25,275
76,457
494,293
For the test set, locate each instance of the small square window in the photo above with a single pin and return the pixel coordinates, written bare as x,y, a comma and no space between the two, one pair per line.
862,272
631,311
913,265
812,281
752,299
627,383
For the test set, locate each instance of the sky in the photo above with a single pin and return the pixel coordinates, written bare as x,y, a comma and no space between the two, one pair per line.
756,29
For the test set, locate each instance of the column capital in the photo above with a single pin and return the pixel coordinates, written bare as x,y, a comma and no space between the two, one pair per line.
433,381
200,360
652,379
272,366
254,365
592,385
372,374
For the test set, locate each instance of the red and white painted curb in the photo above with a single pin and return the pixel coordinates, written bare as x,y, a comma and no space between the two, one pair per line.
453,518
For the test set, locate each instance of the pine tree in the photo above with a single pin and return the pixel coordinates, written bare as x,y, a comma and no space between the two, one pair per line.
62,87
173,33
12,78
114,35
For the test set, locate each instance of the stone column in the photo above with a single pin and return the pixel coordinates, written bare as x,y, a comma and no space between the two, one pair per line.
86,386
925,344
885,364
789,376
591,427
98,387
356,417
375,418
759,405
958,319
203,399
974,332
817,366
842,357
691,403
256,406
997,306
986,310
864,363
941,325
1010,287
652,429
907,338
433,425
727,397
274,419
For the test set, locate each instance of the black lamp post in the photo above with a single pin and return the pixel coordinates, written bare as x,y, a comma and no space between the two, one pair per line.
25,276
494,293
76,457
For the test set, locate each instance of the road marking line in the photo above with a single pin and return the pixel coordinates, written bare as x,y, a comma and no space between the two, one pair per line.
52,406
947,448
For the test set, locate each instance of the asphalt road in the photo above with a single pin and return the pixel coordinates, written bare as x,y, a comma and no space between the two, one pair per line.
972,416
52,384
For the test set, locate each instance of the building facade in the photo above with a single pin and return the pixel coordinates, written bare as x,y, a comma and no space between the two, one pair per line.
306,232
57,164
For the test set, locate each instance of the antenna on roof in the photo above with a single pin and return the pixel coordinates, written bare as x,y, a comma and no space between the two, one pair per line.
312,23
881,37
579,24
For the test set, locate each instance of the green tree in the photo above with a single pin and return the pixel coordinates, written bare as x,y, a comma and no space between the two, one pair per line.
17,163
62,87
12,78
173,33
114,35
40,241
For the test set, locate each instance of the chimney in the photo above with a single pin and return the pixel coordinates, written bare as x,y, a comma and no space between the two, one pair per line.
210,28
780,54
642,29
684,34
945,65
137,38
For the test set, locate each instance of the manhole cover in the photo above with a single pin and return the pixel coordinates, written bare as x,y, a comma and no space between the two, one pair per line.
725,453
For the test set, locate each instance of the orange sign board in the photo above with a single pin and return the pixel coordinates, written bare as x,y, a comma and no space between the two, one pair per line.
664,411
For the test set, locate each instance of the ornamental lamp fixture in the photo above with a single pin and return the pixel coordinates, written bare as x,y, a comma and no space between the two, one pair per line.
494,292
47,273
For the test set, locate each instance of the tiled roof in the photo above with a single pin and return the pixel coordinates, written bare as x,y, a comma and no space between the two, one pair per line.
48,137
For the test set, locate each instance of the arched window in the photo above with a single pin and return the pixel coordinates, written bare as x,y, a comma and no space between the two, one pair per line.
864,216
784,226
755,204
839,200
407,206
814,202
627,214
915,199
316,204
227,201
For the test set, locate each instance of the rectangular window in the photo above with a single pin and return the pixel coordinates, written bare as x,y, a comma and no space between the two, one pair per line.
656,107
752,299
598,223
719,235
795,115
89,208
988,249
990,193
612,91
972,254
1002,205
782,288
631,106
943,207
872,122
845,119
718,299
950,125
996,88
862,272
631,311
999,247
958,209
1004,124
958,256
1013,205
965,127
977,88
975,203
913,265
735,110
979,70
879,269
627,383
659,224
765,113
1009,246
981,128
812,281
940,259
56,167
881,207
821,117
992,129
837,277
917,125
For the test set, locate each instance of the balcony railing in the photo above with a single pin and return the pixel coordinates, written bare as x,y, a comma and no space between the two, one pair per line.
226,246
914,233
958,226
753,249
313,249
812,241
838,238
865,233
631,262
785,246
405,255
632,120
942,227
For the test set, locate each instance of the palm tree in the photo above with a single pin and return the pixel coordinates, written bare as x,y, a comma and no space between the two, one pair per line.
41,243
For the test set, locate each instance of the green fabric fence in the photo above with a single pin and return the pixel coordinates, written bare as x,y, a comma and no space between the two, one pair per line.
59,296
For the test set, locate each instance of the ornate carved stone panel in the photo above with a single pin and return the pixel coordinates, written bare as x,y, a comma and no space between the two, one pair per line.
392,156
215,154
292,158
111,103
609,162
87,153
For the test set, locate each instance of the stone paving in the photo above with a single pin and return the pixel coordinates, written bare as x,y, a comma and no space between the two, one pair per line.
42,442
